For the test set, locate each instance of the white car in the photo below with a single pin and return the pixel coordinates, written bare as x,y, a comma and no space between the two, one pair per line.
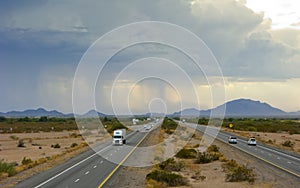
232,140
252,141
148,127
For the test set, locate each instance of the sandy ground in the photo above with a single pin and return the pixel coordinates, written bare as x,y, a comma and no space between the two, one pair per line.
266,176
37,145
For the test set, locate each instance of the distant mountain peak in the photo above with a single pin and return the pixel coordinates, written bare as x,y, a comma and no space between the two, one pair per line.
238,107
34,113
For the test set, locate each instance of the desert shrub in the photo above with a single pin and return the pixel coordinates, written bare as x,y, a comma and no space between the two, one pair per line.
74,145
264,125
204,157
21,143
7,168
169,125
75,135
203,121
187,153
170,178
2,119
251,128
112,124
14,137
237,173
55,146
26,161
288,143
213,148
171,165
198,176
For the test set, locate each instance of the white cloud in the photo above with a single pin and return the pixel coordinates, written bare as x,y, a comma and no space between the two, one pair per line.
284,13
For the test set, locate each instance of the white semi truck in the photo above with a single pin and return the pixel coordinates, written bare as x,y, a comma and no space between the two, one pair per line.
119,137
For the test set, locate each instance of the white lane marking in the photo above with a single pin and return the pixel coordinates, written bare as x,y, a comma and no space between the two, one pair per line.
101,162
87,172
265,148
281,153
289,162
110,154
76,180
50,179
278,157
43,183
95,166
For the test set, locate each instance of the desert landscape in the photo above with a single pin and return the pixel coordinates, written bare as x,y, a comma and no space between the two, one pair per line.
36,151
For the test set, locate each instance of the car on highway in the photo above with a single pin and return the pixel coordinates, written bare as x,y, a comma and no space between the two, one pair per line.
252,141
232,140
148,127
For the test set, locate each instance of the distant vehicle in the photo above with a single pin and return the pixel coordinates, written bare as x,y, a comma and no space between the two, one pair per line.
119,137
232,140
148,127
252,141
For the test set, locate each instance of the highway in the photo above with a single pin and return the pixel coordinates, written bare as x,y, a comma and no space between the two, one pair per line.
95,169
90,169
283,160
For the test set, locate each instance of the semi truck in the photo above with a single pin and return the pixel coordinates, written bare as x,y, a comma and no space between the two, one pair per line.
119,137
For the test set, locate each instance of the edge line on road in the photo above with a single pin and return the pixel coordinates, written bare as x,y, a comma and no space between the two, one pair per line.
269,162
126,157
282,168
43,183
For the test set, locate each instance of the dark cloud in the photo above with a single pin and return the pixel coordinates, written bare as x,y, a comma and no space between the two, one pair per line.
38,38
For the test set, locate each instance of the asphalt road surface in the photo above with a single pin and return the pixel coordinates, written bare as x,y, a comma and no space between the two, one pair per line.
90,169
283,160
95,169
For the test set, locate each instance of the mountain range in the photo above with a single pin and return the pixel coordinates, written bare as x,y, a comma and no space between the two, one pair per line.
240,108
235,108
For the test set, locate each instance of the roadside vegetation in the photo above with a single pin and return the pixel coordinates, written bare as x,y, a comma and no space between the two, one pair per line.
42,124
169,172
238,173
187,153
112,124
7,168
272,125
263,125
48,124
163,174
169,125
11,169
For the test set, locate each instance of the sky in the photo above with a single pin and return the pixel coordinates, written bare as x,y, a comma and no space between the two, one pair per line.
256,44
